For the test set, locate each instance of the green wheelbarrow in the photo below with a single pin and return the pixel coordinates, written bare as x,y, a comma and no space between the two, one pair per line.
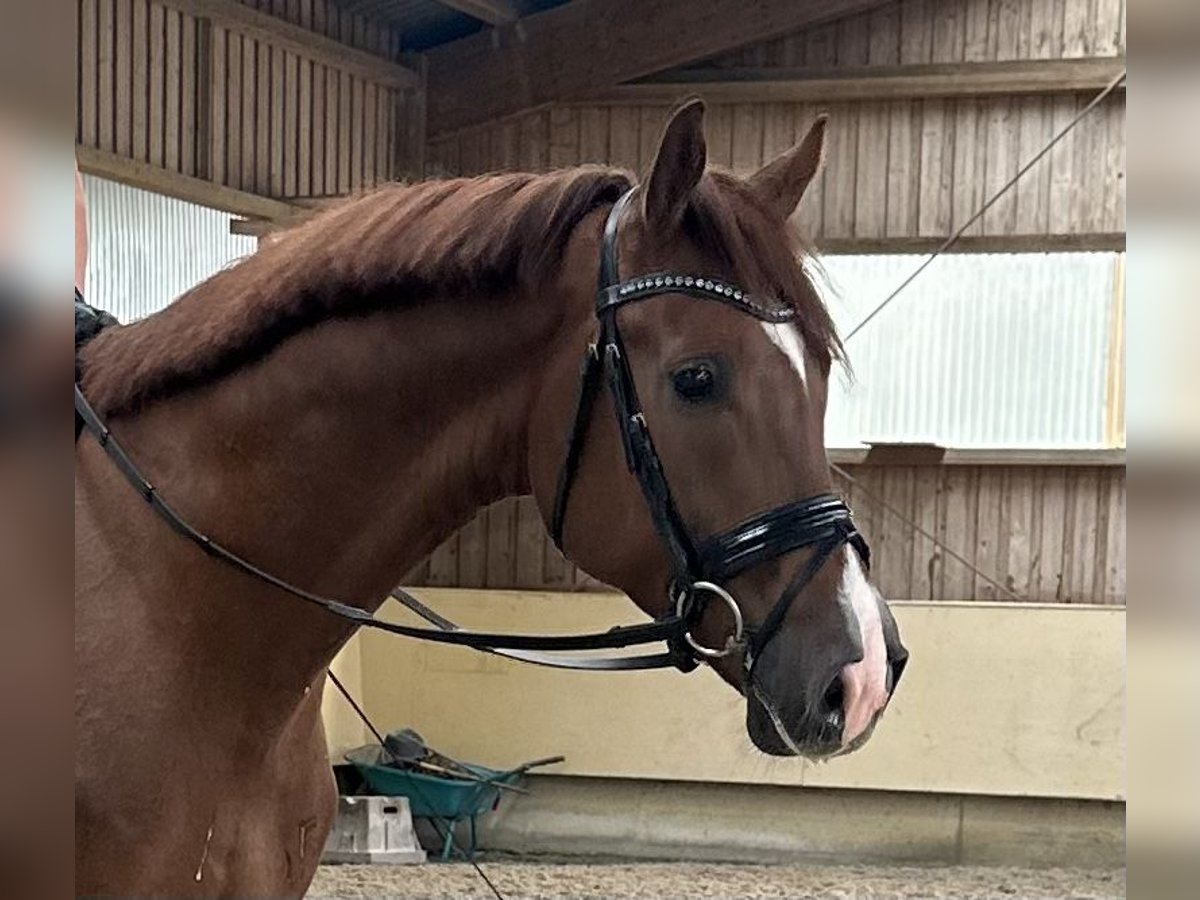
448,800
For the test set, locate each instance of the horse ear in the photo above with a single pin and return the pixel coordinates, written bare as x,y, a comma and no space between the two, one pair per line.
678,166
782,182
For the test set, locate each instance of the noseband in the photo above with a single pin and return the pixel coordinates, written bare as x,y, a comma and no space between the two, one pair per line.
700,568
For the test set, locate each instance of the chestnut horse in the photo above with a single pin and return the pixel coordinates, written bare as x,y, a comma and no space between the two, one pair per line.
337,404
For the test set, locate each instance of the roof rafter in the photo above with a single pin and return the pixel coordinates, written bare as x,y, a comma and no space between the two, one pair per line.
585,46
1009,78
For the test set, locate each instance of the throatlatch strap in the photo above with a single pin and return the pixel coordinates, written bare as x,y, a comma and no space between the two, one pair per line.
589,379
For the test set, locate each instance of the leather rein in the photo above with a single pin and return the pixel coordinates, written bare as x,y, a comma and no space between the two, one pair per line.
823,521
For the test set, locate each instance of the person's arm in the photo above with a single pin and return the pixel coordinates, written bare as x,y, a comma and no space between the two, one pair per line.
81,232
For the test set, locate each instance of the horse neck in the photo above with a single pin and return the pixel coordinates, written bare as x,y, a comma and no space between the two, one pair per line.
337,463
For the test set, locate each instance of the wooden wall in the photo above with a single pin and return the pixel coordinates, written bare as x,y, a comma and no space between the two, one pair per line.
949,31
176,91
898,169
1047,533
895,169
182,93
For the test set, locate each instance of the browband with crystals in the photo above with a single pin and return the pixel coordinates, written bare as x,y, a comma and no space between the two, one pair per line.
697,286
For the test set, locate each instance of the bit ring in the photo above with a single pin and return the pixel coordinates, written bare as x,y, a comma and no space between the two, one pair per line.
735,641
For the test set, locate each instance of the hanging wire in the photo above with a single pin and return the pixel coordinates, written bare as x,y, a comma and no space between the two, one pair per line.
946,245
925,534
361,713
954,238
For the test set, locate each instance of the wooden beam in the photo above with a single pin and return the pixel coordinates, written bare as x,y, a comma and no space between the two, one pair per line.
585,46
494,12
1105,242
1093,242
1021,77
259,228
302,208
104,164
294,39
903,454
858,456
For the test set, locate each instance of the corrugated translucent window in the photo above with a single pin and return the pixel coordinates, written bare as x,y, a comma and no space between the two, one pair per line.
144,249
981,350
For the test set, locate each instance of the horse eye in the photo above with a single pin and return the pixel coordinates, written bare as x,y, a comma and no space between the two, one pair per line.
695,383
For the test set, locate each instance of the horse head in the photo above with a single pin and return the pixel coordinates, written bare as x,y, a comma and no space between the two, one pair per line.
717,409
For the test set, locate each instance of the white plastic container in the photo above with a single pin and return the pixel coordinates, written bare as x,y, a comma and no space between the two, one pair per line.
373,830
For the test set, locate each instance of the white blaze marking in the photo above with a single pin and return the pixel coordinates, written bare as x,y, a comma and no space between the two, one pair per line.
786,337
864,683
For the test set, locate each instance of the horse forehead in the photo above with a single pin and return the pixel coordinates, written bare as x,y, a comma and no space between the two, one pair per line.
785,337
691,320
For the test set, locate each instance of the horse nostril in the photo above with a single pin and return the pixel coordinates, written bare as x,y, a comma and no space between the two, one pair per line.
834,696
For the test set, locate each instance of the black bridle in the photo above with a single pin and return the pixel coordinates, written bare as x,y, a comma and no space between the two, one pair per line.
822,522
699,568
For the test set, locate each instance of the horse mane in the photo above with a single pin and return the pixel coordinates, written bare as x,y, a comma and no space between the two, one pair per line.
403,244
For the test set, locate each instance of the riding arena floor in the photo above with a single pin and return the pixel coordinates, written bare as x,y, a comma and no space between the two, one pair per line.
541,880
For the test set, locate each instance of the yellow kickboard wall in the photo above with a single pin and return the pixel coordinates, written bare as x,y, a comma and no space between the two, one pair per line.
1009,699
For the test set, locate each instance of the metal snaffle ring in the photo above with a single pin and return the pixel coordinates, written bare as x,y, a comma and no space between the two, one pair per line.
734,641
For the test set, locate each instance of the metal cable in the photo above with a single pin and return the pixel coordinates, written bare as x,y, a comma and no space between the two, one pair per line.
337,682
953,239
925,534
946,245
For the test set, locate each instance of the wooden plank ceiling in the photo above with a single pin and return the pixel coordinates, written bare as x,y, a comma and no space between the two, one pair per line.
494,12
